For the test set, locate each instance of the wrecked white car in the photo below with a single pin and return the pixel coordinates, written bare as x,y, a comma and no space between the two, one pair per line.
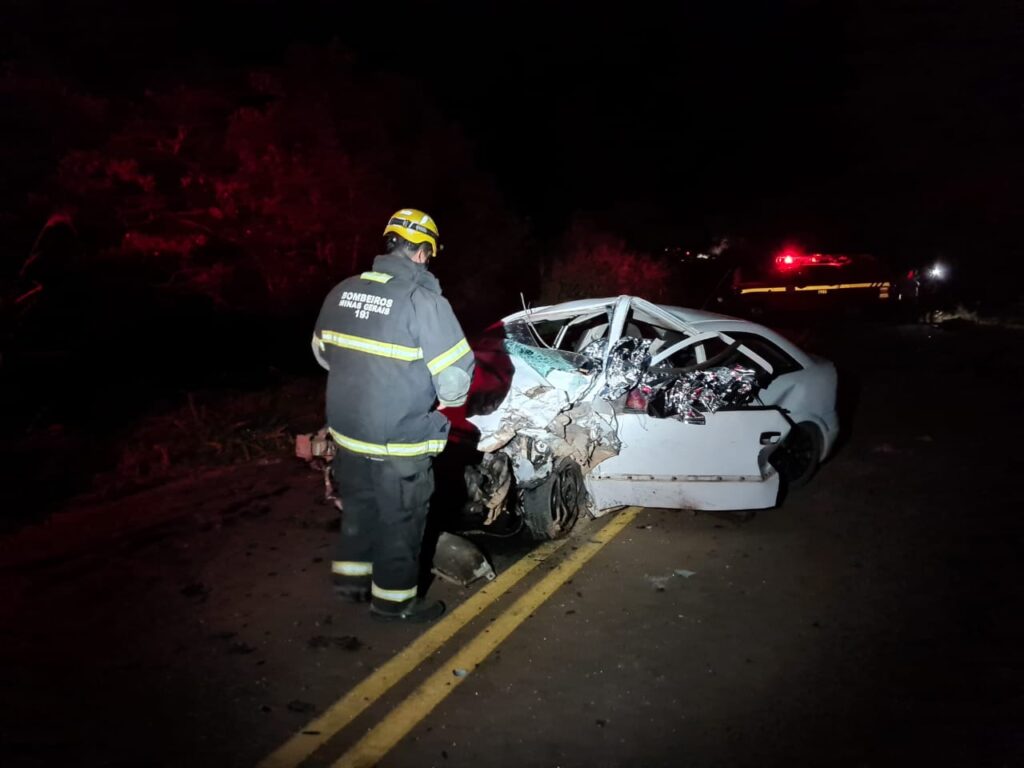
596,404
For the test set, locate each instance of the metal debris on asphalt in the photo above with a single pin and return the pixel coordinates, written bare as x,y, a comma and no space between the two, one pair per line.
460,561
660,582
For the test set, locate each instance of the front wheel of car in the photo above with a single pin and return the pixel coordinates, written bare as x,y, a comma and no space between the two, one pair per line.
798,457
551,509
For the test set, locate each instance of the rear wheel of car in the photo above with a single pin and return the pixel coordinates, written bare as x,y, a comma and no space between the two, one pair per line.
797,458
551,509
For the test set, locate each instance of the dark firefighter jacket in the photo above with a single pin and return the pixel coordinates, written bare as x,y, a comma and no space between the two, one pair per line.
392,346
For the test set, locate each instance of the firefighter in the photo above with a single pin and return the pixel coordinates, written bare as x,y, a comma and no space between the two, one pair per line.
393,349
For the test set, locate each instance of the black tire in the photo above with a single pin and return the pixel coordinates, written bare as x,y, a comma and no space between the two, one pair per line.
798,457
551,509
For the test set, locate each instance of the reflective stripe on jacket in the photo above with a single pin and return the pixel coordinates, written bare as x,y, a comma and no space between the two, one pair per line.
386,337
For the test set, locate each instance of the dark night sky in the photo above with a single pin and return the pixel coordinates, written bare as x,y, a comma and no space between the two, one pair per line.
882,126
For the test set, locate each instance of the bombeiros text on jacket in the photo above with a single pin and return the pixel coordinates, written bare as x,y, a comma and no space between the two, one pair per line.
365,303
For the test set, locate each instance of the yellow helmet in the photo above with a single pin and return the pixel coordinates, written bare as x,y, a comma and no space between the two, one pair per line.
415,226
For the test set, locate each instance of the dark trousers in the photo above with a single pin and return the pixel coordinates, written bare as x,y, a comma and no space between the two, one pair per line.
385,510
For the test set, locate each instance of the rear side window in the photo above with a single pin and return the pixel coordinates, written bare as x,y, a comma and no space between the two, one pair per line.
780,360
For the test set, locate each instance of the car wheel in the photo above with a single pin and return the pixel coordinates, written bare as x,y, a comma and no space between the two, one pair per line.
797,458
551,509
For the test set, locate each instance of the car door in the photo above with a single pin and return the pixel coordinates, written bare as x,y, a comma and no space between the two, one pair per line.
721,464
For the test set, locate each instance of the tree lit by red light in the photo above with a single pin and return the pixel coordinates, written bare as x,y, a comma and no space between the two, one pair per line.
257,191
598,264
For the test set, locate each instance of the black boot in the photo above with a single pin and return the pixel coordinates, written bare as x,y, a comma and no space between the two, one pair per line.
415,611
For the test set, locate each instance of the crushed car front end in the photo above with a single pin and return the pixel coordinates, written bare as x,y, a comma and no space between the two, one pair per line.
619,401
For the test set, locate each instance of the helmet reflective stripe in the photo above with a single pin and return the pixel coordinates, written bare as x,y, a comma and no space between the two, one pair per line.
415,226
409,224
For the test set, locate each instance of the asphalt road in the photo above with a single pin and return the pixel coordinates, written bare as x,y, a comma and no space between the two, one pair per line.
875,618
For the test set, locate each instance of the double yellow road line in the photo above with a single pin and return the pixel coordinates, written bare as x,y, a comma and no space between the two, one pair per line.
369,750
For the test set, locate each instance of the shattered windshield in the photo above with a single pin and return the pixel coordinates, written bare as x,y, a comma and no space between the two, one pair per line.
538,350
544,360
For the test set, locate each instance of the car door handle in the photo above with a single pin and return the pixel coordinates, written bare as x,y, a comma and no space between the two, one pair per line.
770,438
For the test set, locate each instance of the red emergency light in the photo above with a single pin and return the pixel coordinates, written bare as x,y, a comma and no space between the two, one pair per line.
791,260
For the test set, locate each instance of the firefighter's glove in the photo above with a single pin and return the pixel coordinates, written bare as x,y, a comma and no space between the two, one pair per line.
452,387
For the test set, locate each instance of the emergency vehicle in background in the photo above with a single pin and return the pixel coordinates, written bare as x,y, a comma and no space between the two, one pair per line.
795,280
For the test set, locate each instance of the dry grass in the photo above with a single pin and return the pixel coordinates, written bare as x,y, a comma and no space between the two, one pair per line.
210,429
